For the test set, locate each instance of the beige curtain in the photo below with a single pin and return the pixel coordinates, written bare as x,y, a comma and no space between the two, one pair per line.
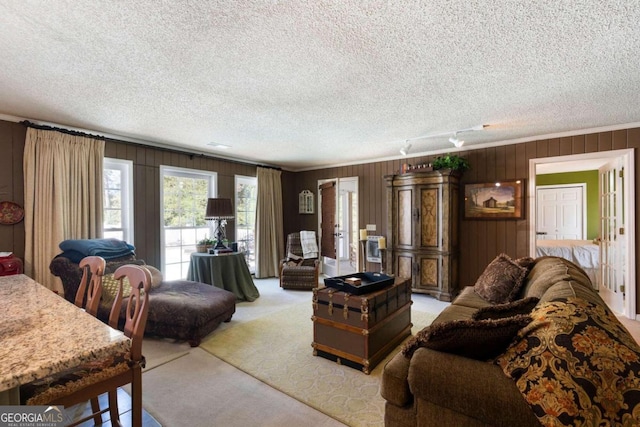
269,232
62,196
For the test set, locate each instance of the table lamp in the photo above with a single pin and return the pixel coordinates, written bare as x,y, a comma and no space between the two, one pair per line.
219,210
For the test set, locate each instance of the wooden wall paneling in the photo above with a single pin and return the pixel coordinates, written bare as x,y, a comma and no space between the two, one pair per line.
542,148
554,148
566,146
633,139
510,162
141,156
110,149
578,144
522,162
501,164
619,139
167,158
380,205
140,211
605,142
6,181
591,143
18,135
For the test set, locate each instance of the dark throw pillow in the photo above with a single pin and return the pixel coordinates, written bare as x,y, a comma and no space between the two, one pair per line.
508,309
476,339
526,262
501,281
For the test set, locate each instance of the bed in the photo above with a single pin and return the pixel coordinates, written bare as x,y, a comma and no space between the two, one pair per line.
584,253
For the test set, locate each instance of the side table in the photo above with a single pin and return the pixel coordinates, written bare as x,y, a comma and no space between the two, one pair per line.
227,271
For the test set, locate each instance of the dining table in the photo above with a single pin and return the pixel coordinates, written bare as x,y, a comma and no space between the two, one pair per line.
41,334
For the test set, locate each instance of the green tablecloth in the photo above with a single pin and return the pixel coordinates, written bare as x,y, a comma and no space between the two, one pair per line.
225,271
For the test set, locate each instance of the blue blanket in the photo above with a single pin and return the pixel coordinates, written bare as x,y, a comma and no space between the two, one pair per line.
106,248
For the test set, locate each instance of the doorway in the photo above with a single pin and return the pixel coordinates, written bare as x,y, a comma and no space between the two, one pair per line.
620,298
338,225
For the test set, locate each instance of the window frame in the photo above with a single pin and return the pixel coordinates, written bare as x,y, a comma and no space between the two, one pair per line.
166,170
126,187
251,180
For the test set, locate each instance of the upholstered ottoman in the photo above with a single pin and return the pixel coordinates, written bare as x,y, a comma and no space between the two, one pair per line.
181,309
186,310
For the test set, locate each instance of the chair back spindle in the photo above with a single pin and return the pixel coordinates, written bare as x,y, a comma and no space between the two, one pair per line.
90,290
136,311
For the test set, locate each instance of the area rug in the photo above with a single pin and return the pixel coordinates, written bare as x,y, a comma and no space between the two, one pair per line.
276,349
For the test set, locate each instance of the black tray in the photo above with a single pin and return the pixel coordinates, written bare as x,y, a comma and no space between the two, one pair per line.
370,282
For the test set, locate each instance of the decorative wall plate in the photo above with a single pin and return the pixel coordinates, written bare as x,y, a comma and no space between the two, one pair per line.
10,213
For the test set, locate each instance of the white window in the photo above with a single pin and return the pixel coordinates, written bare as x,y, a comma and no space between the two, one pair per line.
183,194
118,199
246,200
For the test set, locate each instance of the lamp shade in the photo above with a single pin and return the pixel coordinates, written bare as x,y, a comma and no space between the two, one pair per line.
219,209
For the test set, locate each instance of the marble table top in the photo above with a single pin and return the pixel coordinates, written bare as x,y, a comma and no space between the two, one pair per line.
41,333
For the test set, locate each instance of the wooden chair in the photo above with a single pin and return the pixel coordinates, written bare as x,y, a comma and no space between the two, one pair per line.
88,297
112,373
90,289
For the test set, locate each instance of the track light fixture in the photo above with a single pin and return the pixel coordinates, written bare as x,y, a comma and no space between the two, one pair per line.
405,150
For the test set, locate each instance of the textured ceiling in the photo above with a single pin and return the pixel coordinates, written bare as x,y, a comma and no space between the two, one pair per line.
308,84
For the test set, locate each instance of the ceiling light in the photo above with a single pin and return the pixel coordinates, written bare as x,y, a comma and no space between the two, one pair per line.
220,146
405,150
455,141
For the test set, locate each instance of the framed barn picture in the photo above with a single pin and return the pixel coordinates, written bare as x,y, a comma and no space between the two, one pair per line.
494,200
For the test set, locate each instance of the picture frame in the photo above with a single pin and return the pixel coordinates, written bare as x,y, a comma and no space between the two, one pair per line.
494,200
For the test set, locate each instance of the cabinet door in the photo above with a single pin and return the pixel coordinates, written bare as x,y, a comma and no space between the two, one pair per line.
405,218
423,269
428,228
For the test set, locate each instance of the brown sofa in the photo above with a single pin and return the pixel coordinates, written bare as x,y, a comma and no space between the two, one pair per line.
180,309
440,388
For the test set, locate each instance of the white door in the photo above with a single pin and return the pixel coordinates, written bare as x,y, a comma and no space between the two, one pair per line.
560,212
338,226
613,245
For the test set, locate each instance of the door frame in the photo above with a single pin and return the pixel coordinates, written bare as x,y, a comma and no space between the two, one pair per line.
627,157
350,181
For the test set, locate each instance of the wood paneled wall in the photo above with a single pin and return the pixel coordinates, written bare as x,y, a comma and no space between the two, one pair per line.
480,241
12,137
146,173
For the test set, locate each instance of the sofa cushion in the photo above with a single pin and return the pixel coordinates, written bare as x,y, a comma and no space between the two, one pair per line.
476,339
542,277
501,280
469,298
575,364
567,289
509,309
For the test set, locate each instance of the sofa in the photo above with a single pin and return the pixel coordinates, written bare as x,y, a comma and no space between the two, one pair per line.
183,310
547,351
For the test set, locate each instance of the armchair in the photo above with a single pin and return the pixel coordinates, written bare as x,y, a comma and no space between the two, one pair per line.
297,272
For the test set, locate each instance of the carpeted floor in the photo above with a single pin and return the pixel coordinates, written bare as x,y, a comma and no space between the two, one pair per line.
277,349
265,373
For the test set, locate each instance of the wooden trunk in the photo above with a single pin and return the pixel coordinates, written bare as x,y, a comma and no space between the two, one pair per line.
361,330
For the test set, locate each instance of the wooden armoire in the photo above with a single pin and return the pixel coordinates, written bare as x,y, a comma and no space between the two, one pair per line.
422,227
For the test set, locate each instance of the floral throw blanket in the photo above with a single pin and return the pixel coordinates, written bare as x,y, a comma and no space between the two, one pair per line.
576,365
